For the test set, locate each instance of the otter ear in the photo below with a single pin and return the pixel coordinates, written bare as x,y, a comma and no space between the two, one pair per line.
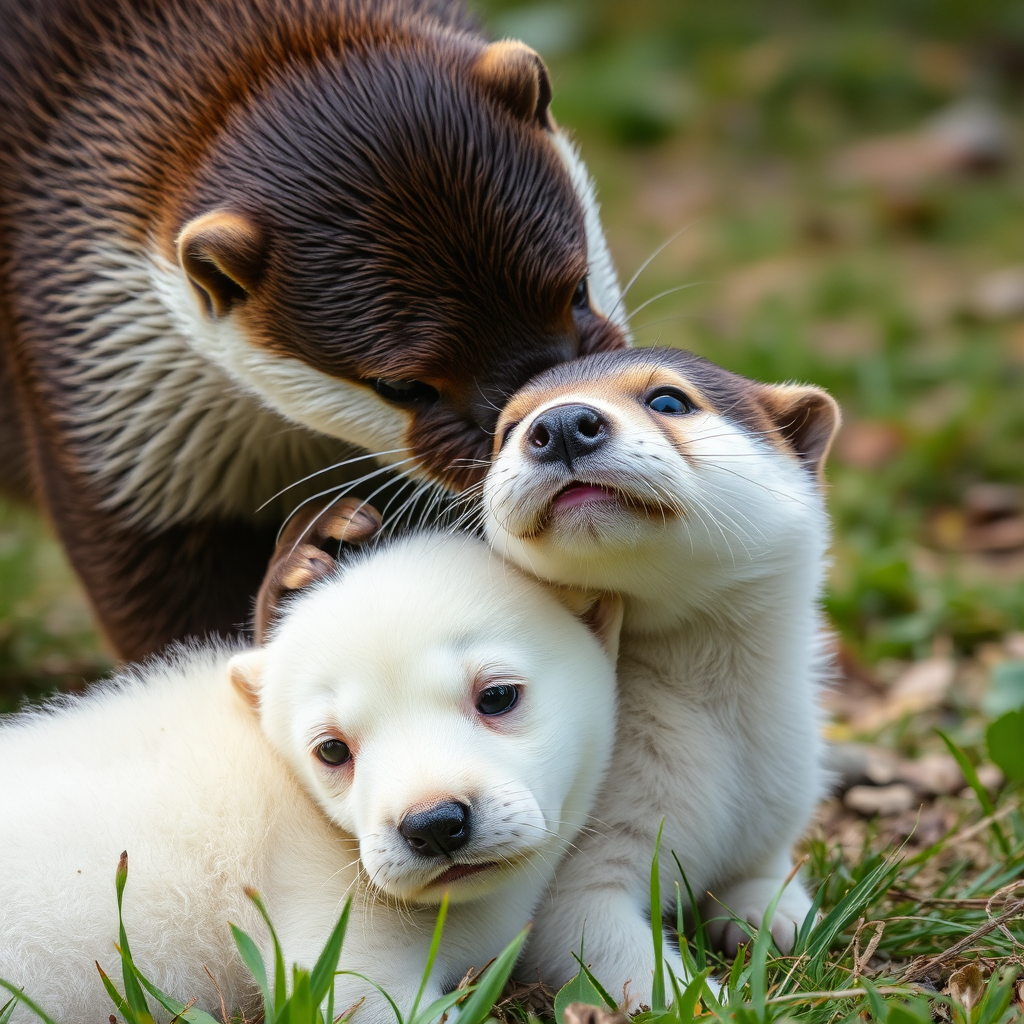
808,420
224,255
601,613
516,77
246,674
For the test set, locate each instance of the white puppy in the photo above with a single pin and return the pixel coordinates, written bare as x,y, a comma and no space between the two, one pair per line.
427,720
696,495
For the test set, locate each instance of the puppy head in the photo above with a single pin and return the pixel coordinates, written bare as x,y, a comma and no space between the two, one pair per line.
388,244
449,712
618,470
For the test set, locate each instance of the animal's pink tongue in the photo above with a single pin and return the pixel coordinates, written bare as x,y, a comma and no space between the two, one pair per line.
582,494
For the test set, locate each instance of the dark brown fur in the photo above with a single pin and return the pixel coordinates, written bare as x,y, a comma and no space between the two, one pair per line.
409,221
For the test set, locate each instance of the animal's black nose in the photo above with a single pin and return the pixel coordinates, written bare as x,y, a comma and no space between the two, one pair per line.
438,830
567,432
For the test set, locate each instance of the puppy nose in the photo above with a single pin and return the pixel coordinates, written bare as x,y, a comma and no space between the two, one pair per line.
567,432
438,830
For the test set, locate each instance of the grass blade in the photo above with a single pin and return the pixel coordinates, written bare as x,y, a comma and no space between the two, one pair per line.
477,1007
20,997
657,932
700,928
7,1010
118,1000
598,987
322,978
280,978
190,1014
383,992
850,907
300,1006
438,1007
252,959
979,790
435,945
132,990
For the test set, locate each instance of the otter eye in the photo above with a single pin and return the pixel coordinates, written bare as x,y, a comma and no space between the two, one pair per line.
405,391
506,433
496,700
333,752
671,401
581,297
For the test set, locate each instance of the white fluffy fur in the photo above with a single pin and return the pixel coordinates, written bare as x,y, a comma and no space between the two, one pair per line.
605,294
720,664
208,795
167,432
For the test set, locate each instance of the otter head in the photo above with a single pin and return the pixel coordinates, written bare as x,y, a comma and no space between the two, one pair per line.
660,476
388,238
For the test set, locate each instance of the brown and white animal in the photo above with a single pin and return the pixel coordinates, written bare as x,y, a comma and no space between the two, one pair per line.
426,719
241,240
696,495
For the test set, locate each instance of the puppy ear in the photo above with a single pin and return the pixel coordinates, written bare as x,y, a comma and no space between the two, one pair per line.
601,613
808,420
299,560
224,255
516,77
246,674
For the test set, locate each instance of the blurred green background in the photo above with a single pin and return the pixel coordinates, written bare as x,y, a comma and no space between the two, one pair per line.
842,187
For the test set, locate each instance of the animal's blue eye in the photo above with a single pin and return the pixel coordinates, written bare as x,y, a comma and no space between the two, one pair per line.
671,401
496,700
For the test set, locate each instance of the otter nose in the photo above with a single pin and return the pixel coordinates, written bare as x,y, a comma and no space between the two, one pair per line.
567,432
438,830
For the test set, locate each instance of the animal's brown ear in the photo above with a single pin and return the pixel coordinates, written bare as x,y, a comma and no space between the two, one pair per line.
516,77
299,559
808,420
224,255
601,613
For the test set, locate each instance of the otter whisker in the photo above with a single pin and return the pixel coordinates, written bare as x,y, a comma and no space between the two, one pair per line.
327,469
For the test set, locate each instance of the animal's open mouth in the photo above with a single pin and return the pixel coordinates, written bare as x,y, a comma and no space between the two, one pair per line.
459,871
576,494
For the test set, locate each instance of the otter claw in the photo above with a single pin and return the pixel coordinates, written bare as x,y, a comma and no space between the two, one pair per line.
299,559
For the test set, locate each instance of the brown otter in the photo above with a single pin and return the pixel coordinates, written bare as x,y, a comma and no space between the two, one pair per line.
242,240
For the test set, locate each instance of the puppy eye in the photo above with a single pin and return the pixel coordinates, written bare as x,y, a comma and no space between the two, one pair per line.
581,297
496,700
506,433
405,391
670,401
333,752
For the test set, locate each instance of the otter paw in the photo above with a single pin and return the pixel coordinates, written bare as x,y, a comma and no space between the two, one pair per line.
299,559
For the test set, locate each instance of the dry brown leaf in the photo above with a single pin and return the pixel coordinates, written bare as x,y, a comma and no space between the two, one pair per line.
880,800
967,985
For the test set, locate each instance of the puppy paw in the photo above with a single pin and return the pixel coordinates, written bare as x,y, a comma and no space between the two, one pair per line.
749,901
299,559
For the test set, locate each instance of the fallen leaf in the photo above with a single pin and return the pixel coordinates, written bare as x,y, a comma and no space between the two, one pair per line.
880,800
932,774
967,985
